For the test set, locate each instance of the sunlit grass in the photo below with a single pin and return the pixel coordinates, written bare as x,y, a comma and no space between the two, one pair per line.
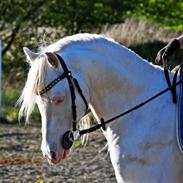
77,143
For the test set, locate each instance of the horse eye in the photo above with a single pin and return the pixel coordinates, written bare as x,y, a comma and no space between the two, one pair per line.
53,63
58,100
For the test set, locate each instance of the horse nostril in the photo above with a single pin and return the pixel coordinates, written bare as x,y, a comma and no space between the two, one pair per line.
53,155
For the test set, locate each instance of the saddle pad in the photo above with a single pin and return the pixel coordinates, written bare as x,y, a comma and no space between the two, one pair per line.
179,121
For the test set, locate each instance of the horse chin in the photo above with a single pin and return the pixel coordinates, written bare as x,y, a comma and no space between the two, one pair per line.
53,161
61,158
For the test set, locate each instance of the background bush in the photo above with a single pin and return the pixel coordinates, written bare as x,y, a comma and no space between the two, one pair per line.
144,26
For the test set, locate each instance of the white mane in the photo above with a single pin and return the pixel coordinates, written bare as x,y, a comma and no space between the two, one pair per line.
35,81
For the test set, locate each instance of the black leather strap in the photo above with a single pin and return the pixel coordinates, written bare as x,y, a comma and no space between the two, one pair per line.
53,83
81,94
172,86
72,90
72,80
103,123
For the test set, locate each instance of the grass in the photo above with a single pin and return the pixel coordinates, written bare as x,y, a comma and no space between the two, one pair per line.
134,31
77,143
146,39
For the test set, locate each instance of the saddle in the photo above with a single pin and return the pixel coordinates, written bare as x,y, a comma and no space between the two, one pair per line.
179,121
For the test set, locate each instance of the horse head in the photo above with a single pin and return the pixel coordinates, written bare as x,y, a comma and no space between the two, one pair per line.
54,99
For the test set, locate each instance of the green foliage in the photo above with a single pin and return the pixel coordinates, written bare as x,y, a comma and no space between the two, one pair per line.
166,13
77,143
81,15
27,23
36,23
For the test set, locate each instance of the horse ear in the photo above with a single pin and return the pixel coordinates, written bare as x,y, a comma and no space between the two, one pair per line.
31,56
52,59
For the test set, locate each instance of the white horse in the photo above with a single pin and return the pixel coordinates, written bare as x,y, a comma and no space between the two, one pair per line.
142,144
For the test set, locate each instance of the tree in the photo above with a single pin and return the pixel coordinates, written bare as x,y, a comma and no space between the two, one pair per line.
21,18
26,23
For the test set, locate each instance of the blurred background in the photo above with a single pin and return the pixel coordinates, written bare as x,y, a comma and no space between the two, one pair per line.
145,26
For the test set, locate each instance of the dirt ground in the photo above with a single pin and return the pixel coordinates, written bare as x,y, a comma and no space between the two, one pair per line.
21,159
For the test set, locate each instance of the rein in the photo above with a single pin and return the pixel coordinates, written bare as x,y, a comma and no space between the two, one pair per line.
68,136
171,87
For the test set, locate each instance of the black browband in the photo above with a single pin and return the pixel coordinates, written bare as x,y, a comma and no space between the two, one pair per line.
68,137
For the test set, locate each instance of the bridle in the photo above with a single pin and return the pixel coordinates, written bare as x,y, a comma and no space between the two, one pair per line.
68,137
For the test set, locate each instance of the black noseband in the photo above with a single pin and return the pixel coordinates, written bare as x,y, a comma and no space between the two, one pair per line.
68,139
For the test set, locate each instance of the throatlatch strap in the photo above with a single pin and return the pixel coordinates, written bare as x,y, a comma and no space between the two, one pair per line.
81,94
102,122
70,77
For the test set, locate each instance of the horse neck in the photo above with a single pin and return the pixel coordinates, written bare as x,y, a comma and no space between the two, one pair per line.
118,83
117,79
